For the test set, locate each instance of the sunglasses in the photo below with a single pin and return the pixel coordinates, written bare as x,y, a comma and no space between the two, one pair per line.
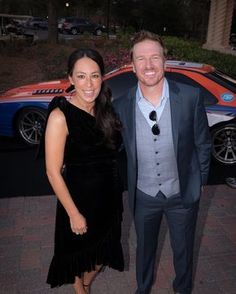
155,127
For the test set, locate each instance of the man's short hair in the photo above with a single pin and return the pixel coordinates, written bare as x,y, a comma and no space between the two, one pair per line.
146,35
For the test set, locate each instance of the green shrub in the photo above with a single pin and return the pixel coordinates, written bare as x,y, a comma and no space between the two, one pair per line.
52,59
115,53
180,49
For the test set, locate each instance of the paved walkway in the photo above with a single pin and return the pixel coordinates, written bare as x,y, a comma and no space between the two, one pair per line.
26,245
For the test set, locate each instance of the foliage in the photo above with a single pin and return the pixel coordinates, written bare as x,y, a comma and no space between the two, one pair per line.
117,58
175,17
51,60
116,53
192,51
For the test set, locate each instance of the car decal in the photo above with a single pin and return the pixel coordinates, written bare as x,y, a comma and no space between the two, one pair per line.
227,97
47,91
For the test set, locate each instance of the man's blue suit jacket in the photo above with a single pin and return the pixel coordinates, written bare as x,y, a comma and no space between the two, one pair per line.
192,142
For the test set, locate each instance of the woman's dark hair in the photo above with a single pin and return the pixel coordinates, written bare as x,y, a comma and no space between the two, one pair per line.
106,119
84,52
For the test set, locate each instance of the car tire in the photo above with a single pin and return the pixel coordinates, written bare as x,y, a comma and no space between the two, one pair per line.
98,32
30,124
74,31
224,143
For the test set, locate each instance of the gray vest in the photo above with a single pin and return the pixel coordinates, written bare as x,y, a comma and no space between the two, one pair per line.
157,168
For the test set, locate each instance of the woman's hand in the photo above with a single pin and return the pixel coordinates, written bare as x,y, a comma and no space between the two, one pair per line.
78,224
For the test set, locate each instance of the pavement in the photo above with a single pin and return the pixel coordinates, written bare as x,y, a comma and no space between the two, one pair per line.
26,248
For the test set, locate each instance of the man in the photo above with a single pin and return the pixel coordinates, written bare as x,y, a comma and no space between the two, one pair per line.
168,146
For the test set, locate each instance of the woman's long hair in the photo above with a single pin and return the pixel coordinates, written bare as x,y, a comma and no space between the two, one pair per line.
106,119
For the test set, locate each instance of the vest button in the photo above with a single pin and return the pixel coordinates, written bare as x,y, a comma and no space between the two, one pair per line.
158,175
156,152
158,163
159,184
155,139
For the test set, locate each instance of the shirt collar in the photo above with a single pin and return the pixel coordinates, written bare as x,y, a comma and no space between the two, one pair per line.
165,93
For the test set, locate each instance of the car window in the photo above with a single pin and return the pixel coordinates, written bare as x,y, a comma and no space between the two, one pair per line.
80,21
121,83
223,79
208,97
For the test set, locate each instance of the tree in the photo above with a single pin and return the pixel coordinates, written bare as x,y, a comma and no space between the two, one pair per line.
196,14
29,7
173,17
52,21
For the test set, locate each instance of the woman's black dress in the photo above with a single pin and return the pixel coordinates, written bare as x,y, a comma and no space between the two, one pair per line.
91,175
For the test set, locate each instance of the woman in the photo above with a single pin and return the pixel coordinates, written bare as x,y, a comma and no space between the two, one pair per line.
82,138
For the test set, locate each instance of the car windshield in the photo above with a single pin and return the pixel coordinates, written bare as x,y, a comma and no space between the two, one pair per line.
223,79
122,82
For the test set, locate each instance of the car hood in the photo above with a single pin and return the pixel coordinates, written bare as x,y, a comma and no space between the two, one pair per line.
43,90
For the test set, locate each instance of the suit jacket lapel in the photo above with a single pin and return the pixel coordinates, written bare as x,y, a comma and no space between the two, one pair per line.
175,108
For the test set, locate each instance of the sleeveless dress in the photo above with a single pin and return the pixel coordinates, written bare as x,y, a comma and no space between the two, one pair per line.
91,175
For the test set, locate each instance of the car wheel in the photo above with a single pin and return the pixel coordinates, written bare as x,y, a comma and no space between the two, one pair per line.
224,144
98,32
30,123
74,31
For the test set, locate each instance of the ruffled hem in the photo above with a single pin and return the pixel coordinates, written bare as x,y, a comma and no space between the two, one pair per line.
64,268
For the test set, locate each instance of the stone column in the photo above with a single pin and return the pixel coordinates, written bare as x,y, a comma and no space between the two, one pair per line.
219,25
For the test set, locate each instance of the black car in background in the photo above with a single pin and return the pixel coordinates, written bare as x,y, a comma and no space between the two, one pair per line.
74,25
37,22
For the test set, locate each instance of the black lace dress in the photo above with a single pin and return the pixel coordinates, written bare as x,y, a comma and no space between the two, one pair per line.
91,175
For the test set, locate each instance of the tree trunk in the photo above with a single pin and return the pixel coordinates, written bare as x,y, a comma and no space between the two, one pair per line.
52,22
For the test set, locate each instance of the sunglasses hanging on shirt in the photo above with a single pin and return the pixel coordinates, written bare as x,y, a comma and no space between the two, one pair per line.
155,127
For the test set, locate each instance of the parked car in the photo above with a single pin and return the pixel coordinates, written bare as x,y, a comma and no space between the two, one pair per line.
23,109
11,30
37,23
60,22
74,25
20,20
9,26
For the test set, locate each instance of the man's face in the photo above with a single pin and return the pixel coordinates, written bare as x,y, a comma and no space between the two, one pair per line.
148,63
